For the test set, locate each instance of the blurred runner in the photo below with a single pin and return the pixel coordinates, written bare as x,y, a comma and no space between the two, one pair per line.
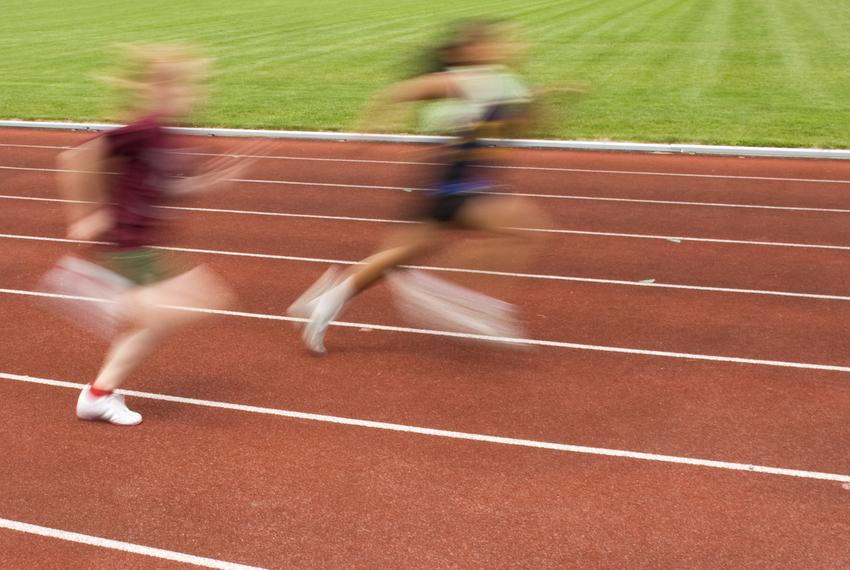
116,182
475,95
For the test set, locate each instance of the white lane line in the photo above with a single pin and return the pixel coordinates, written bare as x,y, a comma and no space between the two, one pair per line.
242,212
45,146
119,545
540,276
395,221
245,212
707,240
705,204
555,169
501,167
541,195
675,238
562,447
512,193
468,336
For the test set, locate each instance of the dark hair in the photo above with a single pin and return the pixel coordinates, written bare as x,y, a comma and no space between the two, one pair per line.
464,33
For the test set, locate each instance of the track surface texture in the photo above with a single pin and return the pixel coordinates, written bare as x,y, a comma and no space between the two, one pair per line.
683,401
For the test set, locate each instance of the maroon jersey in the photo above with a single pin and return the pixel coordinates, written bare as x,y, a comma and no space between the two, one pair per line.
147,168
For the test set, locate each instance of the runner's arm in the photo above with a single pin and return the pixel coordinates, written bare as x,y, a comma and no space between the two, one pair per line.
81,181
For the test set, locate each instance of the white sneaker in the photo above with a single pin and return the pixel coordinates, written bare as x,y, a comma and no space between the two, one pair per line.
109,408
326,309
304,306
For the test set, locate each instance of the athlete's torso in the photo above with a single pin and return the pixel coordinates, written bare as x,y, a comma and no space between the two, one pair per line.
489,99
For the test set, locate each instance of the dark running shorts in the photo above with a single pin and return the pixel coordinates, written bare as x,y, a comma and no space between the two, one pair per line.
445,209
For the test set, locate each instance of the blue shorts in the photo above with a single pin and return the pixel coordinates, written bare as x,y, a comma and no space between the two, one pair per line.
465,187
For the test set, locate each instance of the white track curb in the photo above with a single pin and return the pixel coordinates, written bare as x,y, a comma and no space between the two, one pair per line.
751,151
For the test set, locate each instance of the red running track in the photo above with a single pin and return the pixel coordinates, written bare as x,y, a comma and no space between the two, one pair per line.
276,492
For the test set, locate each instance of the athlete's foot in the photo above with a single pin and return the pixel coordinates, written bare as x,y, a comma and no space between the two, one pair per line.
108,408
304,306
327,307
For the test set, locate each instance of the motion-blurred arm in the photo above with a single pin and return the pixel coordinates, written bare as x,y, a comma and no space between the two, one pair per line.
82,181
221,172
390,109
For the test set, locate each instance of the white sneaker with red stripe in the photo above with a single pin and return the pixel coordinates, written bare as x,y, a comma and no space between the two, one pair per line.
110,408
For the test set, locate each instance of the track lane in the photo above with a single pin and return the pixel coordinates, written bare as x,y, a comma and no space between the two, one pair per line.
687,263
689,407
609,161
325,496
761,327
748,414
576,183
760,225
683,178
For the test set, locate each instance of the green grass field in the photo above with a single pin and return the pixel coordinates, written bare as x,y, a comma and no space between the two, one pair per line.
764,72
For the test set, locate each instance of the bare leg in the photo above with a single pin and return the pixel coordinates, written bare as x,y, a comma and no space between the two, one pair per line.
401,248
125,354
499,243
152,322
502,217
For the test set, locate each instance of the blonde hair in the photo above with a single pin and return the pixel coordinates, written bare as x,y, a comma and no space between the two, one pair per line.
143,66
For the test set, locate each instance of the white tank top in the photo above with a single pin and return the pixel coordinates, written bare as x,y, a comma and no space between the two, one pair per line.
481,88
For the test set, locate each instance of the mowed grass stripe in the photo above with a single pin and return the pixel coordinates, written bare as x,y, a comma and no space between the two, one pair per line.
762,72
